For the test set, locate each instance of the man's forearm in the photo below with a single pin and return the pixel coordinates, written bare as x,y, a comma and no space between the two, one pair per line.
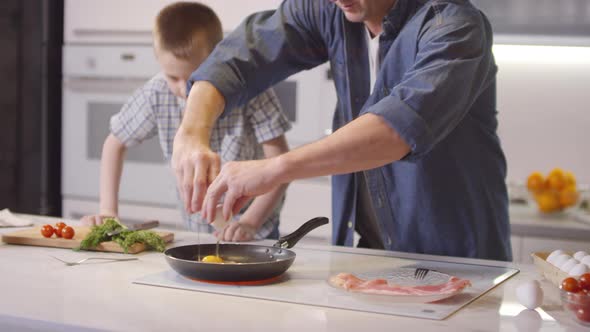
204,105
111,167
364,143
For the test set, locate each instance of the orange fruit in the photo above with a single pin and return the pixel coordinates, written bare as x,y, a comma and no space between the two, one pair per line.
568,196
570,179
548,201
535,182
556,179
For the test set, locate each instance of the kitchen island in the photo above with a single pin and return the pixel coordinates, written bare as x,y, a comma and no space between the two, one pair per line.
39,293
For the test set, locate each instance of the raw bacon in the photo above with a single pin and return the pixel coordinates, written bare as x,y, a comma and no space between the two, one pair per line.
352,283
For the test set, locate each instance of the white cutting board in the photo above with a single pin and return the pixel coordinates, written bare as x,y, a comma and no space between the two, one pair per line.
306,283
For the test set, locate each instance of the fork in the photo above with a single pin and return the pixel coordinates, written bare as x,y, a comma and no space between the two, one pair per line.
421,273
91,258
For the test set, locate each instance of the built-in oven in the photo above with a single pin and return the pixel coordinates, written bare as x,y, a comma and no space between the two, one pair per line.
97,81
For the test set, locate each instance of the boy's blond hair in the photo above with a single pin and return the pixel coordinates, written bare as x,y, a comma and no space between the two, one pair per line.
182,27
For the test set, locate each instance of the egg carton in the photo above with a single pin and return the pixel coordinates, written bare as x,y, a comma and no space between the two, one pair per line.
548,270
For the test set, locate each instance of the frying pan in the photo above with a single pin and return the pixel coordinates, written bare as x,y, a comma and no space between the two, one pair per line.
247,262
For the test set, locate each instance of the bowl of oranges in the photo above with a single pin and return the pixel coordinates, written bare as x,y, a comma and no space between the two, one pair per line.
555,192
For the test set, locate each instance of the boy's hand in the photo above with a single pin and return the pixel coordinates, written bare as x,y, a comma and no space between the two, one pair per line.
237,232
94,220
195,167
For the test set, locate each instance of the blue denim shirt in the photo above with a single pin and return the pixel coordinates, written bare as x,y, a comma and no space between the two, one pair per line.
435,87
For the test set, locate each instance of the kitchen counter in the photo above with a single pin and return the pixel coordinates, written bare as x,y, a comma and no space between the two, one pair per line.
527,221
40,293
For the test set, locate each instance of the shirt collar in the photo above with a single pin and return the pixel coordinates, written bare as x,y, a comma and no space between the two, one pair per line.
399,14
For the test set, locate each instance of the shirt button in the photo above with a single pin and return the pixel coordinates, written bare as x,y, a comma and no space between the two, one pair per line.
350,224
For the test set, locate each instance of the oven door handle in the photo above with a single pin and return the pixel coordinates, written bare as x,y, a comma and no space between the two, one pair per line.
103,84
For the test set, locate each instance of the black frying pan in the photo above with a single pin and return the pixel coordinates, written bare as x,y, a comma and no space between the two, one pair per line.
250,262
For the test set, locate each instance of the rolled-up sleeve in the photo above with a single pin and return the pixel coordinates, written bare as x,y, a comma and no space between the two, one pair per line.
265,49
449,72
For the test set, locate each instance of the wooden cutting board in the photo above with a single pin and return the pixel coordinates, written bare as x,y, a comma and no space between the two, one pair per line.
33,237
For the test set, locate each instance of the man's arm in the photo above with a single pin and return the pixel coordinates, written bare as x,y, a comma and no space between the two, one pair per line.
364,143
111,167
266,48
262,206
193,162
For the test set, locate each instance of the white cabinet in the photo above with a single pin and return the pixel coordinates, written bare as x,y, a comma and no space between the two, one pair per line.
131,21
307,199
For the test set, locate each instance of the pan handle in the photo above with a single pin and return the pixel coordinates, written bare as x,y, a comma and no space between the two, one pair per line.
289,241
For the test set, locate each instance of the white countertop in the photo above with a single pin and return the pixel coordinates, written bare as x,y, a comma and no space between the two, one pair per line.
38,293
527,221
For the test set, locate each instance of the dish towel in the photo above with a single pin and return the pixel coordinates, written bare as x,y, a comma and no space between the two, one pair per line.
7,219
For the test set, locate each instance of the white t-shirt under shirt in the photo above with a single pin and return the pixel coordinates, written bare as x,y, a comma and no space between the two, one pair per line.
366,221
373,47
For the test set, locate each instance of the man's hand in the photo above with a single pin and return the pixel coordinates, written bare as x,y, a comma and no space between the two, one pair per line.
240,181
195,166
237,232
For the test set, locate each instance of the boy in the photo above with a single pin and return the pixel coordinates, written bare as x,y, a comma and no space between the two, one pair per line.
184,35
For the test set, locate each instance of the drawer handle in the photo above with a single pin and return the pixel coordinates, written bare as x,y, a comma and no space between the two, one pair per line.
127,57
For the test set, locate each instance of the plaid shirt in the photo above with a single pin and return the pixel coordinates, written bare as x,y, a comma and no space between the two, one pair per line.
154,110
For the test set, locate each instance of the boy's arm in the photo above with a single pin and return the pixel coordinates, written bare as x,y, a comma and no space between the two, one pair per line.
262,206
111,167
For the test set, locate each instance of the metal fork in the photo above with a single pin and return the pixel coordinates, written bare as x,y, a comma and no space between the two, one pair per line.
96,258
421,273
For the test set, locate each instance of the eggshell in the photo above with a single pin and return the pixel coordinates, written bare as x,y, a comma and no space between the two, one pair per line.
586,260
567,266
580,254
530,294
554,255
528,320
578,270
219,223
559,260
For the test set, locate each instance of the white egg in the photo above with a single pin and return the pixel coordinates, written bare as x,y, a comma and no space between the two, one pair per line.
586,260
530,294
578,270
528,320
567,266
554,255
580,254
559,260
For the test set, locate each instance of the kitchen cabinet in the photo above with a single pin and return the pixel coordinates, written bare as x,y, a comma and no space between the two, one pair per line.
131,21
307,199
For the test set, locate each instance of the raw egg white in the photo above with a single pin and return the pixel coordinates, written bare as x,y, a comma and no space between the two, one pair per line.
530,294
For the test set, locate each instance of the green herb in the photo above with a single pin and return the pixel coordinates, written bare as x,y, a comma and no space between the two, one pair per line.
125,239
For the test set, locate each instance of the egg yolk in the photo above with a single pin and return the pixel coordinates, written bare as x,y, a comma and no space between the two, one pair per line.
212,259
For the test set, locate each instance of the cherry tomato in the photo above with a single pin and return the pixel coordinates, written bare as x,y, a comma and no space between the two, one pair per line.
570,285
58,228
583,314
47,230
584,282
67,232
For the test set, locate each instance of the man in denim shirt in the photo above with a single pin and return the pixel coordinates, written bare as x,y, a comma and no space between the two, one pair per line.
416,160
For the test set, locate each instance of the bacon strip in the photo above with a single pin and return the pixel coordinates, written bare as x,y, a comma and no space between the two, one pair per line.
352,283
